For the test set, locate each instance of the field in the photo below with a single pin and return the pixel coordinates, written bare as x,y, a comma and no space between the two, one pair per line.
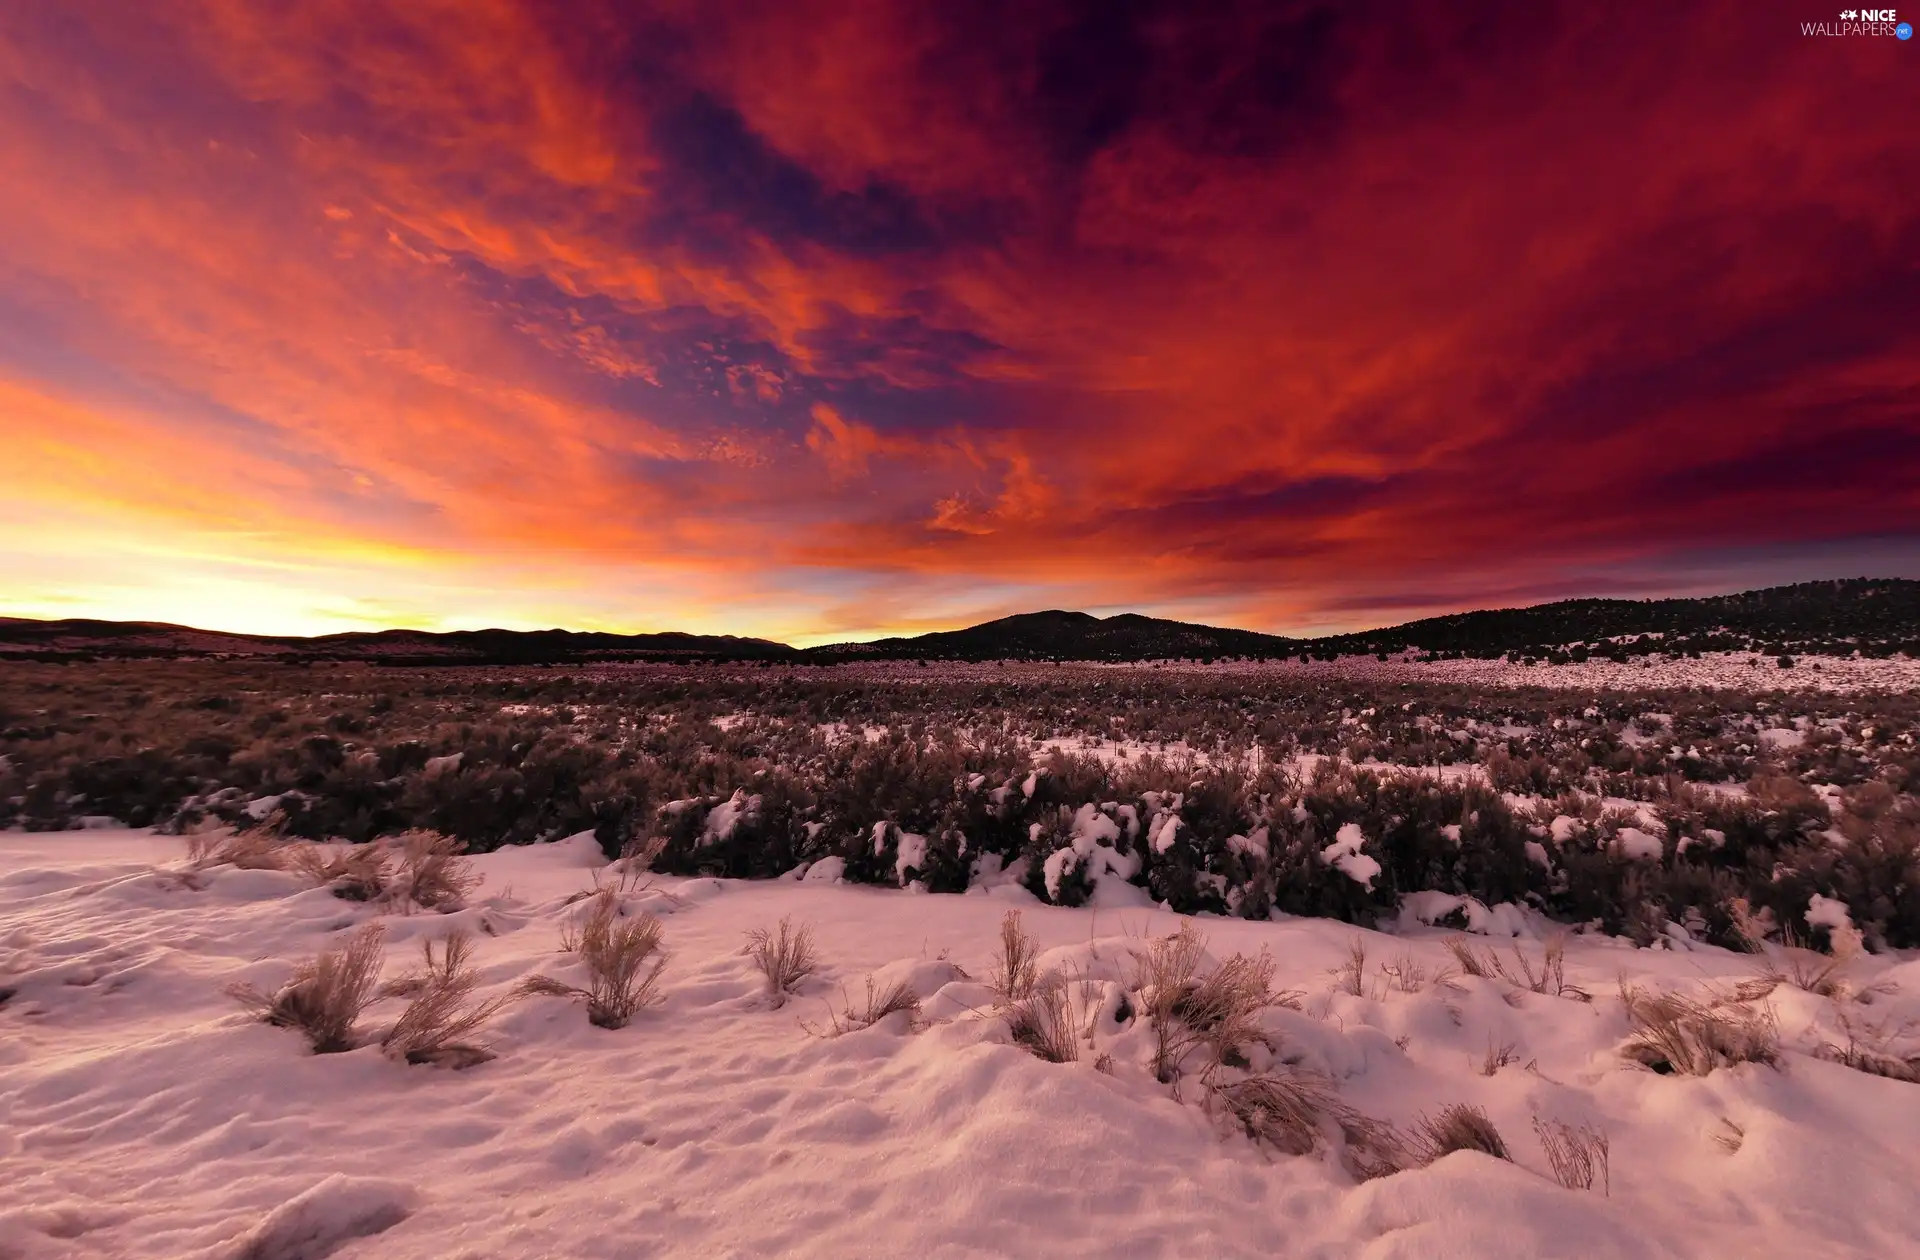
1328,959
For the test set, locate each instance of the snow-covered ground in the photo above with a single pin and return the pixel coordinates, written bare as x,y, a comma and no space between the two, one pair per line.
142,1113
1739,671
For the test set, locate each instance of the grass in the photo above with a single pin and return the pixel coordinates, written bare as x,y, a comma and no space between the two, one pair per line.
1042,1022
1351,975
1875,1049
254,849
1676,1035
1218,1013
1284,1110
1575,1154
440,1021
878,1005
1407,974
1458,1127
1371,1148
1163,975
623,957
1498,1057
326,995
355,872
1016,967
785,956
429,873
1548,977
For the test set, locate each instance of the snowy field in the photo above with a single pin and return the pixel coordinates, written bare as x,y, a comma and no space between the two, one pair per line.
1737,671
143,1112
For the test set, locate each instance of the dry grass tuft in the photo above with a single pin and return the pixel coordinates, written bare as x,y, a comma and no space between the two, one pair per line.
1498,1057
355,872
637,856
1284,1110
1478,964
1373,1148
1351,976
785,956
1729,1137
1874,1049
616,951
1575,1154
1042,1022
1164,975
1804,969
1548,977
326,994
1457,1128
1220,1012
255,849
438,1025
1676,1035
1407,974
879,1004
430,873
1016,968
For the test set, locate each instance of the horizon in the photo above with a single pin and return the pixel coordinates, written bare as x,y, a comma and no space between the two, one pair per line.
811,327
1035,612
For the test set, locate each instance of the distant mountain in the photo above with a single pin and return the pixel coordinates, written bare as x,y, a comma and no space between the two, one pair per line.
1873,616
1067,636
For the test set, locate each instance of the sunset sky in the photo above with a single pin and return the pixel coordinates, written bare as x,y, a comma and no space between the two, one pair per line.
820,321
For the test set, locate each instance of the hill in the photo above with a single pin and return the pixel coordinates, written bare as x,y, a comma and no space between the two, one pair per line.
1067,636
1875,617
81,639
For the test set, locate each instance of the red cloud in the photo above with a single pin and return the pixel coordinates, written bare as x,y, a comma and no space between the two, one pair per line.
1146,307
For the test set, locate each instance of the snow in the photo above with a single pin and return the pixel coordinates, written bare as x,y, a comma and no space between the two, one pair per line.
1091,851
828,870
724,818
1344,854
147,1116
910,853
1429,908
1634,843
1166,829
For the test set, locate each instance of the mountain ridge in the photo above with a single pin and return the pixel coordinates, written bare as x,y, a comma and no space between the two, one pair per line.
1875,616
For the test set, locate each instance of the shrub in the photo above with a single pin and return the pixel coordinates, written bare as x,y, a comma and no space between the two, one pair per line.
326,995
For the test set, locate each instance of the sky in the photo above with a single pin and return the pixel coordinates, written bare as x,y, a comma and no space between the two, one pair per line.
823,321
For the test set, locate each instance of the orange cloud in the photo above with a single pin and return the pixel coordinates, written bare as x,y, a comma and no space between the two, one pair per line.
1150,308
